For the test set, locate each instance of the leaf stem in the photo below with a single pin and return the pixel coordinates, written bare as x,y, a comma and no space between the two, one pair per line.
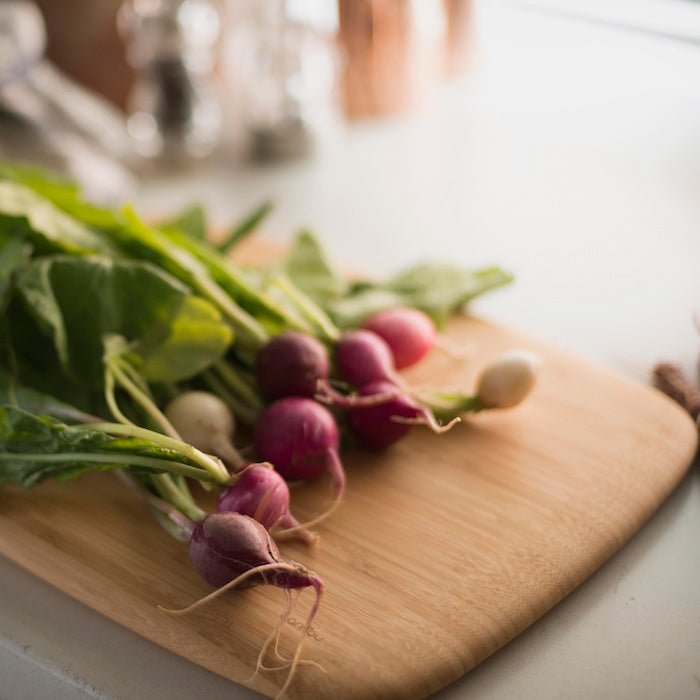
245,227
116,368
177,497
117,459
238,385
309,310
240,410
210,464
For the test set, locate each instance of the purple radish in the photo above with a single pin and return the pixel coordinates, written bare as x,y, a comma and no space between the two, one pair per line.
362,357
261,493
227,546
385,422
409,333
291,364
300,437
230,550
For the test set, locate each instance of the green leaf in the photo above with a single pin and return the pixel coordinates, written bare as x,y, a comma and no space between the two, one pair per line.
14,252
309,269
191,221
37,447
244,228
47,227
352,310
439,290
196,338
77,302
15,394
442,289
255,300
177,253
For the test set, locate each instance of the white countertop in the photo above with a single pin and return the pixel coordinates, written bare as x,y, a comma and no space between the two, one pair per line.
571,155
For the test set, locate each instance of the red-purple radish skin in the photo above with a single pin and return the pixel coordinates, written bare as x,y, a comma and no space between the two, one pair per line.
379,425
362,357
261,493
230,550
300,437
291,364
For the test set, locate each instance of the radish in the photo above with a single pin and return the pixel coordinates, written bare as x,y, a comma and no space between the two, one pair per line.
230,550
261,493
362,356
508,379
202,419
409,333
300,437
383,423
225,547
291,364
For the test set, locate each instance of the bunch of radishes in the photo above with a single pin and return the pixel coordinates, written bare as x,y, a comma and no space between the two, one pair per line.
296,437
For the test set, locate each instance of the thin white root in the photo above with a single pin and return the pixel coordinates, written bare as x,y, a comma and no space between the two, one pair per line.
290,532
274,634
428,420
293,598
228,586
453,349
297,651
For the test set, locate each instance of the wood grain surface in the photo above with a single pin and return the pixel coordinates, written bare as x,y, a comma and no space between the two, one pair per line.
445,548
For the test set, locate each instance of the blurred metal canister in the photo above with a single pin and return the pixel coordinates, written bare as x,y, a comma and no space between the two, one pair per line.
174,106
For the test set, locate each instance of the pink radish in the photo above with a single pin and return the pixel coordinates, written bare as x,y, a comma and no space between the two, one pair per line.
361,357
409,333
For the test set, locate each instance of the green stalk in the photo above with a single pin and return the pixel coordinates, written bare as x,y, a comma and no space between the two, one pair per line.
240,319
211,465
238,385
245,227
447,406
309,310
115,367
128,460
111,399
177,497
240,410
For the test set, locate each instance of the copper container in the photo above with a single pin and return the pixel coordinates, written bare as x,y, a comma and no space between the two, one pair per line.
459,38
83,41
393,53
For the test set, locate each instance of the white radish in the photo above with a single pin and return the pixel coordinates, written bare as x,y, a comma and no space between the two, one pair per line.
508,379
205,421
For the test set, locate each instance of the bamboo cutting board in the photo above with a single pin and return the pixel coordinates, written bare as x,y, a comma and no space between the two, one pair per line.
446,546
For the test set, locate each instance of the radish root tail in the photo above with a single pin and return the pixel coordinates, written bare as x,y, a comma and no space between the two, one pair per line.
304,632
429,420
228,586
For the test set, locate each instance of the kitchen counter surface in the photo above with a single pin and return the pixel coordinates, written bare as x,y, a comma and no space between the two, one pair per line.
569,154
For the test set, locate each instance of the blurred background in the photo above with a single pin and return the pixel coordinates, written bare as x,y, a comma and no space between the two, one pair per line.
109,91
135,84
